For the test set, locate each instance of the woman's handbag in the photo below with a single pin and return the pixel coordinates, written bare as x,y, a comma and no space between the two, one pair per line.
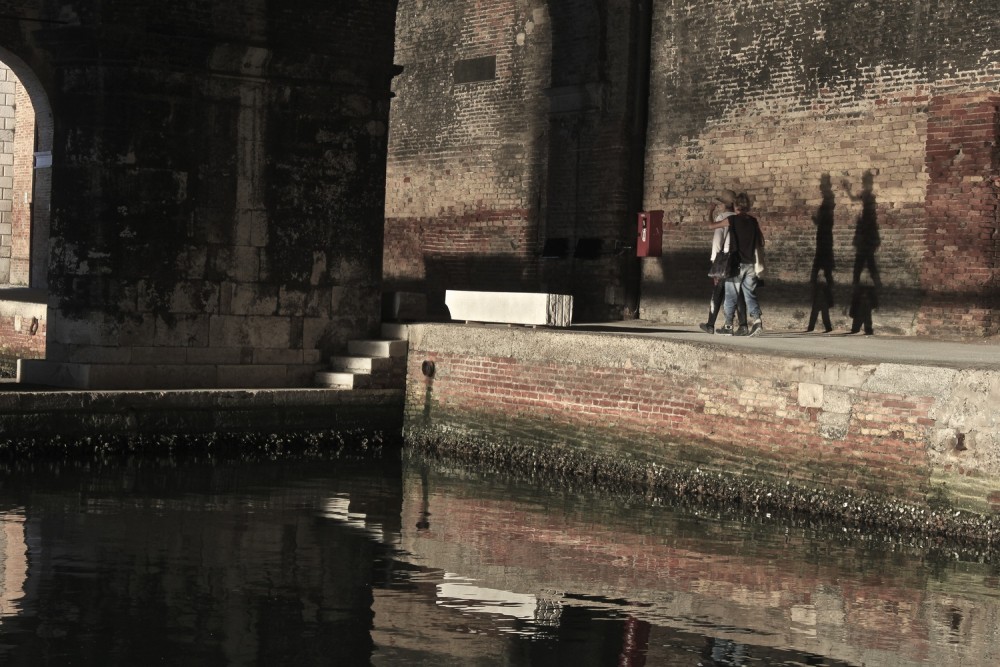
723,265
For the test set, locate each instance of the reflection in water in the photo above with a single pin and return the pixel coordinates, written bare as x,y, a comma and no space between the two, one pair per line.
13,562
318,563
457,592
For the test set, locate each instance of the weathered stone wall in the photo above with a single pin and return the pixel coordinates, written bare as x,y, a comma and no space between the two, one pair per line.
513,126
39,416
867,135
906,430
217,185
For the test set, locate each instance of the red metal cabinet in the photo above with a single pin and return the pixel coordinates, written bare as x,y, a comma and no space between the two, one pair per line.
649,242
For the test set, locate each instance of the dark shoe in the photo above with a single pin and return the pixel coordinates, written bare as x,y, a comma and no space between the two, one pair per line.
725,330
757,327
741,331
707,328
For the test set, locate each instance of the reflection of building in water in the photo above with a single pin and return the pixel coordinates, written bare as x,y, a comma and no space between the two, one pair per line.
338,508
755,600
458,592
234,577
13,562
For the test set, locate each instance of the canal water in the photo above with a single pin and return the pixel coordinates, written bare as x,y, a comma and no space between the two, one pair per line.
398,560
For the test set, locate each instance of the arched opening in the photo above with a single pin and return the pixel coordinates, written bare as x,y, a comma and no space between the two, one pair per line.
25,189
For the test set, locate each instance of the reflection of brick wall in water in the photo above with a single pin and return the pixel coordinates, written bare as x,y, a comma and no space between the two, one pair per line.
763,593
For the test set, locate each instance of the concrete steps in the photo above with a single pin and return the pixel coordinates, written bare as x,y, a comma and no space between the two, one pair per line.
369,362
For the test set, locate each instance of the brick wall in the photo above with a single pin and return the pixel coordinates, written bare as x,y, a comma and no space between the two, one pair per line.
8,89
483,173
963,167
800,104
21,173
894,429
834,119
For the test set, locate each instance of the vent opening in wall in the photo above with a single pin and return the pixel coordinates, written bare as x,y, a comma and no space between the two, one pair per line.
476,69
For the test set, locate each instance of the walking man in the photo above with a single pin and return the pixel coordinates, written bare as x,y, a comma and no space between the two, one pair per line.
744,231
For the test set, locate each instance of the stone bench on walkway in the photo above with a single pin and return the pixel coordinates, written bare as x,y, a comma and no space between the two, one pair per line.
526,308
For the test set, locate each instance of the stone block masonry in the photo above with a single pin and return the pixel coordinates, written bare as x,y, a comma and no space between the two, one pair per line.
901,430
218,215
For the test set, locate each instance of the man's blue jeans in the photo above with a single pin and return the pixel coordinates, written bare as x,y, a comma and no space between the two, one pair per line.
745,281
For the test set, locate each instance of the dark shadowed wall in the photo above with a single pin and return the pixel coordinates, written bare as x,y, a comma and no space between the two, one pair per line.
218,175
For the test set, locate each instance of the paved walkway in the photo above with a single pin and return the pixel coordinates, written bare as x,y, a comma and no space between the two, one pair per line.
834,345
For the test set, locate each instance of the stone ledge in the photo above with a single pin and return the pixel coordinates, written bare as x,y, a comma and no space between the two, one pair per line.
126,376
81,413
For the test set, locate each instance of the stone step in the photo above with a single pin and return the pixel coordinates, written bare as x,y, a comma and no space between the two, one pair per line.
341,380
377,348
360,364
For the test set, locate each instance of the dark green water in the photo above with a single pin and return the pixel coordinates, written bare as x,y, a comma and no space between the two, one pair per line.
407,562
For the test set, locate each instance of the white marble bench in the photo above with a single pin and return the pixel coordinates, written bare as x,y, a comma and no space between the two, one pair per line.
510,307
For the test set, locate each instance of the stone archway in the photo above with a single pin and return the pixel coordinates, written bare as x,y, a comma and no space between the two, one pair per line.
218,188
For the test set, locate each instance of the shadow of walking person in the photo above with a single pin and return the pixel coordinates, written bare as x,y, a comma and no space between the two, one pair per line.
863,301
864,297
823,262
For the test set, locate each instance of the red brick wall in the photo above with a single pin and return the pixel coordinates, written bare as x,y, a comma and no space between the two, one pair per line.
906,429
736,423
960,265
822,113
